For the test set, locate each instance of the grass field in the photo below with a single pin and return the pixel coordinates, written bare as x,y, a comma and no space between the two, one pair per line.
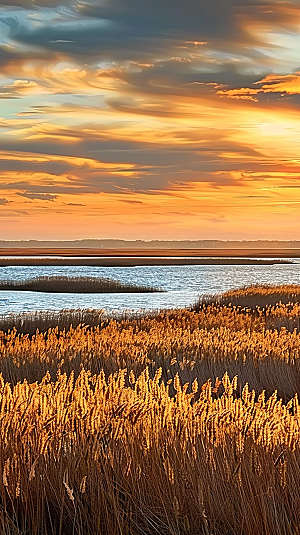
183,422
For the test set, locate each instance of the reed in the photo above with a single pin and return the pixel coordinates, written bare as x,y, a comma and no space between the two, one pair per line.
181,422
119,454
199,345
256,296
62,284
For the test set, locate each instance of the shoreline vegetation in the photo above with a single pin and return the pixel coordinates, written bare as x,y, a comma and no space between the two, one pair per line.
62,284
254,252
255,297
181,422
138,261
269,306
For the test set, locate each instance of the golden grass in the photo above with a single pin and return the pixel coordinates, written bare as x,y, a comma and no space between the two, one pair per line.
203,344
104,456
170,424
258,296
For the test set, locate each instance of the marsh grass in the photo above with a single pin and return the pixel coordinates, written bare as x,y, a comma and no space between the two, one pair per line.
256,296
119,454
62,284
200,345
184,422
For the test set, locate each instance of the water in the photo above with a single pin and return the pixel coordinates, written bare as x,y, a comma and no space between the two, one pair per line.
183,285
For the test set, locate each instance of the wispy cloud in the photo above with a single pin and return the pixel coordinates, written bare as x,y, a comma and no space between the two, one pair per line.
39,196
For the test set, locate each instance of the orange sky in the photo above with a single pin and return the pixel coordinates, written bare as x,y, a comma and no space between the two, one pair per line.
149,119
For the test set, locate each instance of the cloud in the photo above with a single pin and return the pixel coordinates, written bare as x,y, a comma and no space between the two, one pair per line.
21,212
288,84
4,202
132,202
243,93
9,216
39,196
274,83
132,30
156,47
137,166
22,87
73,204
7,55
27,4
23,84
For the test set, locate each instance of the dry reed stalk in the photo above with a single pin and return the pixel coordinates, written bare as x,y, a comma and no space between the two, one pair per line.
197,462
200,345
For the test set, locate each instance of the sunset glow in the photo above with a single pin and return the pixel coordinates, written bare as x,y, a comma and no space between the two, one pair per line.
149,119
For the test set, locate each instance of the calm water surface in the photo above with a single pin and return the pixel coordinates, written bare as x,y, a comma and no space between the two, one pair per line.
183,285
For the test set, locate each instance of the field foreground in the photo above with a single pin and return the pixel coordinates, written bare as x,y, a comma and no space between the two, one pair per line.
185,422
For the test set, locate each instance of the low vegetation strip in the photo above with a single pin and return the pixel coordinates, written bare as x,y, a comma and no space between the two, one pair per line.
63,284
152,251
137,261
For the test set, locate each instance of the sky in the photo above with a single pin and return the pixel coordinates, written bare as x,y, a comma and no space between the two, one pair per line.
149,119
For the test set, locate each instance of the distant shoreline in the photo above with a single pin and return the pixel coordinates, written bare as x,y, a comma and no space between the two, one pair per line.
141,253
133,261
